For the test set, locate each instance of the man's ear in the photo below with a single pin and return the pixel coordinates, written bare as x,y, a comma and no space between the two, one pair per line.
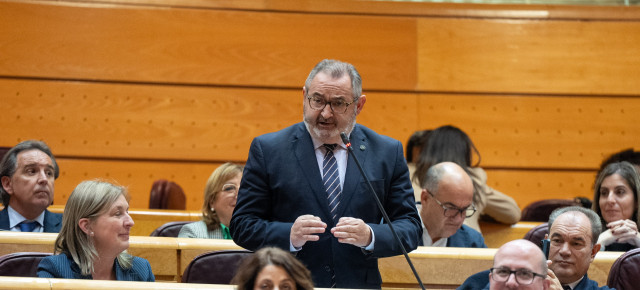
6,184
85,225
594,251
424,196
360,104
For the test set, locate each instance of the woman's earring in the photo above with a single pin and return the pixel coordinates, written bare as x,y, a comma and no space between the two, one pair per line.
213,209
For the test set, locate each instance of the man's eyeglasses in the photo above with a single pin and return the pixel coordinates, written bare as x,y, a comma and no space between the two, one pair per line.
523,276
452,211
337,106
229,188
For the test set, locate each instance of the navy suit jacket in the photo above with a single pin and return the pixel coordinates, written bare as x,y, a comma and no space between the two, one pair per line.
63,266
466,237
588,284
282,181
52,221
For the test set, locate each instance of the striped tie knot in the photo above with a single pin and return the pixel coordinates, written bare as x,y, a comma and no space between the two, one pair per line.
330,147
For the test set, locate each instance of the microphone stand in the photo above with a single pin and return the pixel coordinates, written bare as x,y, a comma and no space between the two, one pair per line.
346,141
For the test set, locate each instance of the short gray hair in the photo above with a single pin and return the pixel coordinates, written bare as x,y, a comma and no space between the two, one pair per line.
432,179
337,69
594,219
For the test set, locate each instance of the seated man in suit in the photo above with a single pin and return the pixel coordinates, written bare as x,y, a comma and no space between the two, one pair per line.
518,264
27,173
447,195
573,232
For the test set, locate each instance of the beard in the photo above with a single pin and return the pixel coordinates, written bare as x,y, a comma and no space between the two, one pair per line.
328,136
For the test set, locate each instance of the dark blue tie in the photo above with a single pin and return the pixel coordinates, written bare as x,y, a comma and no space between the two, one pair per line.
331,180
28,226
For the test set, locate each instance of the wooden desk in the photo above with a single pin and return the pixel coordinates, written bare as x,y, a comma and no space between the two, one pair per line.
12,283
440,268
147,220
161,252
495,235
447,268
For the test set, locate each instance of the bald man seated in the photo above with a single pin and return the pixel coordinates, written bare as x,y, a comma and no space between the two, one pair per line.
518,264
446,201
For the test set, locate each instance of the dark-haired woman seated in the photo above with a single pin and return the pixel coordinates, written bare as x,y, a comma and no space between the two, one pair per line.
449,143
615,200
94,238
272,268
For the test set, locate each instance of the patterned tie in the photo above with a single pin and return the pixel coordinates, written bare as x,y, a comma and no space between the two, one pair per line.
331,180
28,226
566,287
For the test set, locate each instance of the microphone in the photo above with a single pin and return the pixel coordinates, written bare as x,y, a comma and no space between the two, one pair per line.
347,143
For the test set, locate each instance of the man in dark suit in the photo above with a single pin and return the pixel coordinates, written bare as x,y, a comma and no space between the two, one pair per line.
308,198
446,200
573,232
27,172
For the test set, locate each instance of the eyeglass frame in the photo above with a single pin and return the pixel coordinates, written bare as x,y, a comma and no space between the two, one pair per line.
514,273
347,104
236,188
458,210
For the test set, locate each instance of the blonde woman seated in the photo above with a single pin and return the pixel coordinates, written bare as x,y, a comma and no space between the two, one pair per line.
220,196
94,238
272,268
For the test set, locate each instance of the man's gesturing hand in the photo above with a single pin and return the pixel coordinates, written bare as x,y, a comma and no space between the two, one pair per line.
305,229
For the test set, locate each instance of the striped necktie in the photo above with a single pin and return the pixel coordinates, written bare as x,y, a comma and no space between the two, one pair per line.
331,180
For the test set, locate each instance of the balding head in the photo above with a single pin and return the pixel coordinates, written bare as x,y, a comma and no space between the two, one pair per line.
450,177
520,255
450,185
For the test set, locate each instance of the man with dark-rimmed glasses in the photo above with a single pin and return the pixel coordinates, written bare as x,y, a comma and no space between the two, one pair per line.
446,201
519,264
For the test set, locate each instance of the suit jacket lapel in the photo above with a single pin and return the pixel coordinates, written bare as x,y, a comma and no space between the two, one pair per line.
308,164
50,222
353,177
4,219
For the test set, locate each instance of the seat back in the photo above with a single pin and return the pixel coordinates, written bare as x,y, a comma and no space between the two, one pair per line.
170,229
21,264
167,195
536,234
476,281
217,267
540,210
625,272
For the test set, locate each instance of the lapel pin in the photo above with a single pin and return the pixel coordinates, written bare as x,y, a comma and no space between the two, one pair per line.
362,147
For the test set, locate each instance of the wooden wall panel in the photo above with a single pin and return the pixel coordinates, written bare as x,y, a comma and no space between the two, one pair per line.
528,56
133,90
203,46
527,186
168,122
138,176
144,121
537,132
